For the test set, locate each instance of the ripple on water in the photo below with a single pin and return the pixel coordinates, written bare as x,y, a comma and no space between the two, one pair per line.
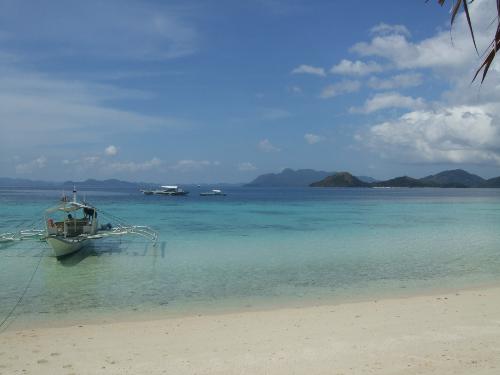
251,251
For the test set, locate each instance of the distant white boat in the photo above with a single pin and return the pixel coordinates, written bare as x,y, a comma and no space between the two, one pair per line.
166,190
213,192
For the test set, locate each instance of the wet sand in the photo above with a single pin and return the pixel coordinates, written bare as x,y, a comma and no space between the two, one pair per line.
454,333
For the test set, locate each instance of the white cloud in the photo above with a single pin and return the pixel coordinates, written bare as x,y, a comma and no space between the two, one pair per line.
407,55
133,167
266,146
463,134
295,89
308,69
339,88
96,165
437,52
91,160
111,150
389,100
463,125
246,167
359,68
313,138
385,29
84,162
189,165
139,30
36,109
50,111
25,82
397,81
29,167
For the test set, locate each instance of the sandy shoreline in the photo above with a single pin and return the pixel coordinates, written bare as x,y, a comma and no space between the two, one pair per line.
453,333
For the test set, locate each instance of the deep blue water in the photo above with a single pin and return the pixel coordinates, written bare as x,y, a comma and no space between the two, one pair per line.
255,248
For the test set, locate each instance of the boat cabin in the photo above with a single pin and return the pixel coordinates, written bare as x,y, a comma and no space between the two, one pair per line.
74,220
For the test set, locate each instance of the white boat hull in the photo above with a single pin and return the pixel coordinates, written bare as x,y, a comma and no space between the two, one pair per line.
66,246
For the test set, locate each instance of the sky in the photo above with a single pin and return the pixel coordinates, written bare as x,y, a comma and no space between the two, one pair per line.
223,91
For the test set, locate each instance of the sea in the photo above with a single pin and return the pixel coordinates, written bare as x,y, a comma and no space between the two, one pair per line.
254,249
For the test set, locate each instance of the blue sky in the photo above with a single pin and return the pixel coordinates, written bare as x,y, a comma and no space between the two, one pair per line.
222,91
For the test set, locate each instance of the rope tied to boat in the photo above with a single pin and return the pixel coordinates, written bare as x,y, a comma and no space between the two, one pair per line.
3,325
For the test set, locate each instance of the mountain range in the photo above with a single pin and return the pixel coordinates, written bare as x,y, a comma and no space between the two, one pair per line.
295,178
340,179
457,178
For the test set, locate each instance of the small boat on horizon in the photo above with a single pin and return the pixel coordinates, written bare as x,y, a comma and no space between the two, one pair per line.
166,190
213,192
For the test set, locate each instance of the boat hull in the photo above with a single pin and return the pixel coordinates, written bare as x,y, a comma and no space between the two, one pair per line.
171,193
66,246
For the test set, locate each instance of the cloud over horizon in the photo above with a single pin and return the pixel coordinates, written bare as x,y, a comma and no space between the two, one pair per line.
455,135
460,127
266,146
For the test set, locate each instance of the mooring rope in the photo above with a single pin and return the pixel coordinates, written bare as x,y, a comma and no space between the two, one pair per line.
20,299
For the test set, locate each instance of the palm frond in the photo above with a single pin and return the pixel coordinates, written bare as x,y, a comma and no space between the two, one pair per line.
494,45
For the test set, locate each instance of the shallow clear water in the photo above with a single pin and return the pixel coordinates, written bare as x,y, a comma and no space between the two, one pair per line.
255,248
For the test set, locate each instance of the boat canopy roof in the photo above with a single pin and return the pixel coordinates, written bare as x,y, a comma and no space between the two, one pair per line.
216,191
169,186
68,207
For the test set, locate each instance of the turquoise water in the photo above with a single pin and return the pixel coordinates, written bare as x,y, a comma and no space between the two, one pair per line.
255,248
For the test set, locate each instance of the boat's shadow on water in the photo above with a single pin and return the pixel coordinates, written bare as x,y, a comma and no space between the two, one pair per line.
112,248
90,251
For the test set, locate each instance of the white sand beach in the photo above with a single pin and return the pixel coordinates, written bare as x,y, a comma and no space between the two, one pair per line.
454,333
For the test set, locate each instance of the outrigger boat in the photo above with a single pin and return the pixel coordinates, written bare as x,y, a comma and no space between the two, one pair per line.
166,190
78,226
